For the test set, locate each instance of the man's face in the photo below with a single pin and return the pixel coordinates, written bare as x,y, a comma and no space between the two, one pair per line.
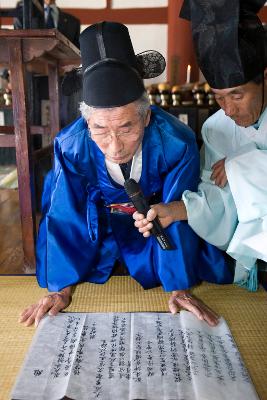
118,131
242,103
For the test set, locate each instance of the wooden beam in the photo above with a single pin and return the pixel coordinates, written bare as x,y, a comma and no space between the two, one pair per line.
263,14
7,140
39,130
34,129
136,16
7,130
54,104
180,46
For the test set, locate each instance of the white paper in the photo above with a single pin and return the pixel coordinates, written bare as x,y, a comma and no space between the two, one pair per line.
152,356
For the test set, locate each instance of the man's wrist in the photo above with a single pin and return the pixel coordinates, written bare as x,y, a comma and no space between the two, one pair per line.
178,211
68,291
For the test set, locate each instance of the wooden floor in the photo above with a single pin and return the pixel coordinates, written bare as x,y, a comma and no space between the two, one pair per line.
11,254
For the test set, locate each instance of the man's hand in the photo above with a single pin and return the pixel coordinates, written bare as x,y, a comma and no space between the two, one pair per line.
218,173
51,304
182,299
167,214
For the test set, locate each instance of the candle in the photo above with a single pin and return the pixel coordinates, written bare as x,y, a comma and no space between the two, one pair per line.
188,73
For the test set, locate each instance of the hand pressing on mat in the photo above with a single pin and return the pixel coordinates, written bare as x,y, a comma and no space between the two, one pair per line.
51,304
183,299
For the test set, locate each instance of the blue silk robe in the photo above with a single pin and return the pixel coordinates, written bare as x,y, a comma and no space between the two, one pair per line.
80,239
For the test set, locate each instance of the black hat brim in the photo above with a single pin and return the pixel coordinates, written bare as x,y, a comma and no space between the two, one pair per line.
150,63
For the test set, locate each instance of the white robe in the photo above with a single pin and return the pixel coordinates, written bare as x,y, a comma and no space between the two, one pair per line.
233,218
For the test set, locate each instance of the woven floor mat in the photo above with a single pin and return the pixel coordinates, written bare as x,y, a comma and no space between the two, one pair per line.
245,313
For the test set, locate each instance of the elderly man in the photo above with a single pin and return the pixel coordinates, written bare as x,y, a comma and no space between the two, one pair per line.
86,225
230,207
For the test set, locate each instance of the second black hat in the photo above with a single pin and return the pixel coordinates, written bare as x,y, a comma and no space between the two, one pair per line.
229,40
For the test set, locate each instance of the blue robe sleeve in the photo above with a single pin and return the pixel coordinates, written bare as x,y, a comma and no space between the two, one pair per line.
68,245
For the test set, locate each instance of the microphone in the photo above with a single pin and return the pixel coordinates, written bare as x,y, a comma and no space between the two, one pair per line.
139,201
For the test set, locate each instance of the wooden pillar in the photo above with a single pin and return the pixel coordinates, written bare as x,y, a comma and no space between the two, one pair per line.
263,14
53,87
22,138
180,46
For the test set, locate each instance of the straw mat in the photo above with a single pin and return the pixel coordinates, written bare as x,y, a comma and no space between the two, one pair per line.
245,313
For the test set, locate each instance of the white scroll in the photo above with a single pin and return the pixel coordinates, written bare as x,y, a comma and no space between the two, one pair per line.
151,356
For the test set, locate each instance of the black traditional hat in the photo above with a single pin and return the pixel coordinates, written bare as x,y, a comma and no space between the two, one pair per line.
111,74
229,40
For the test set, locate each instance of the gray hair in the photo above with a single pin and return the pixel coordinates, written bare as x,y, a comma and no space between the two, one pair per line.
142,105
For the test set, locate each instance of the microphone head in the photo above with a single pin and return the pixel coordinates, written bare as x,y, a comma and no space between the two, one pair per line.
131,187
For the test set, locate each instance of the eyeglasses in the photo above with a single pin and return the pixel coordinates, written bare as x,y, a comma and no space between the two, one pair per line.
126,135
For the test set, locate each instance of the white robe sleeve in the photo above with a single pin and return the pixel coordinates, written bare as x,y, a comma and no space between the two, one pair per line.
211,211
247,177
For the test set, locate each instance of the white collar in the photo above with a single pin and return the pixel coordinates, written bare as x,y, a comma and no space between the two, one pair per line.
52,6
114,170
258,136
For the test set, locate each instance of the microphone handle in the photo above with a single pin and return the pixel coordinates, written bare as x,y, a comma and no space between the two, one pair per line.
142,206
161,236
